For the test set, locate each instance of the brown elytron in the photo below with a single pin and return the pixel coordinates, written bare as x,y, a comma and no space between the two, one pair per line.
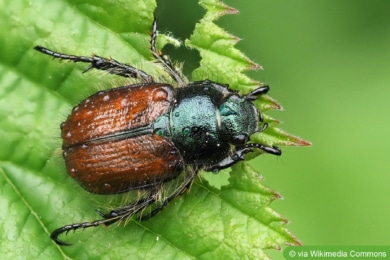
98,151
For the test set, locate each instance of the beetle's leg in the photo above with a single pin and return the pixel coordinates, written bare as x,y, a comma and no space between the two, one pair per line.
268,149
257,92
253,96
127,211
164,60
156,210
108,219
96,62
228,161
65,229
132,208
184,186
239,155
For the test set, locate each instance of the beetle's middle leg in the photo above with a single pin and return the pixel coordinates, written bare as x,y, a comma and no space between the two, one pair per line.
139,206
184,186
131,209
96,62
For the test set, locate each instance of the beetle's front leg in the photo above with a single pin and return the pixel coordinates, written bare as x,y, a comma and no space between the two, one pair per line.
228,161
239,155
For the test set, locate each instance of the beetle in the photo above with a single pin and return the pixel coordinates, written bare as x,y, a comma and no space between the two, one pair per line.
140,136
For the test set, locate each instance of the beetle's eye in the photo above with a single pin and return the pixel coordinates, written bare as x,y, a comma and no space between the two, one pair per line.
226,111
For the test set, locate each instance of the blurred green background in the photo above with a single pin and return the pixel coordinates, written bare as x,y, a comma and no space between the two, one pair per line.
328,64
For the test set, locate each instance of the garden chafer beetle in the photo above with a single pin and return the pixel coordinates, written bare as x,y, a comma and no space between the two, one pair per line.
141,136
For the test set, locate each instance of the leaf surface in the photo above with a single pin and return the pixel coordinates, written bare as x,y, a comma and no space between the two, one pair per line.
36,94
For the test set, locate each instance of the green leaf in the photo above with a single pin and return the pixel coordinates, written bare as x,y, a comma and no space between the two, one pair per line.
36,94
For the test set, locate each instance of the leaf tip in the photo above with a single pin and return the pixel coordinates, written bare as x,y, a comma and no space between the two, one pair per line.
254,66
277,196
217,8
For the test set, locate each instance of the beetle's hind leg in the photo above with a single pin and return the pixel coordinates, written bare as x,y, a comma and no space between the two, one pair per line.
184,186
132,208
164,60
135,208
65,229
96,62
108,219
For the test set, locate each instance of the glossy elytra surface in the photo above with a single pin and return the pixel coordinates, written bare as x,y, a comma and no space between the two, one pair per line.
109,145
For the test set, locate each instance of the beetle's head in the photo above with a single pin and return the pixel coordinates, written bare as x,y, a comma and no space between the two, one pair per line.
239,119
